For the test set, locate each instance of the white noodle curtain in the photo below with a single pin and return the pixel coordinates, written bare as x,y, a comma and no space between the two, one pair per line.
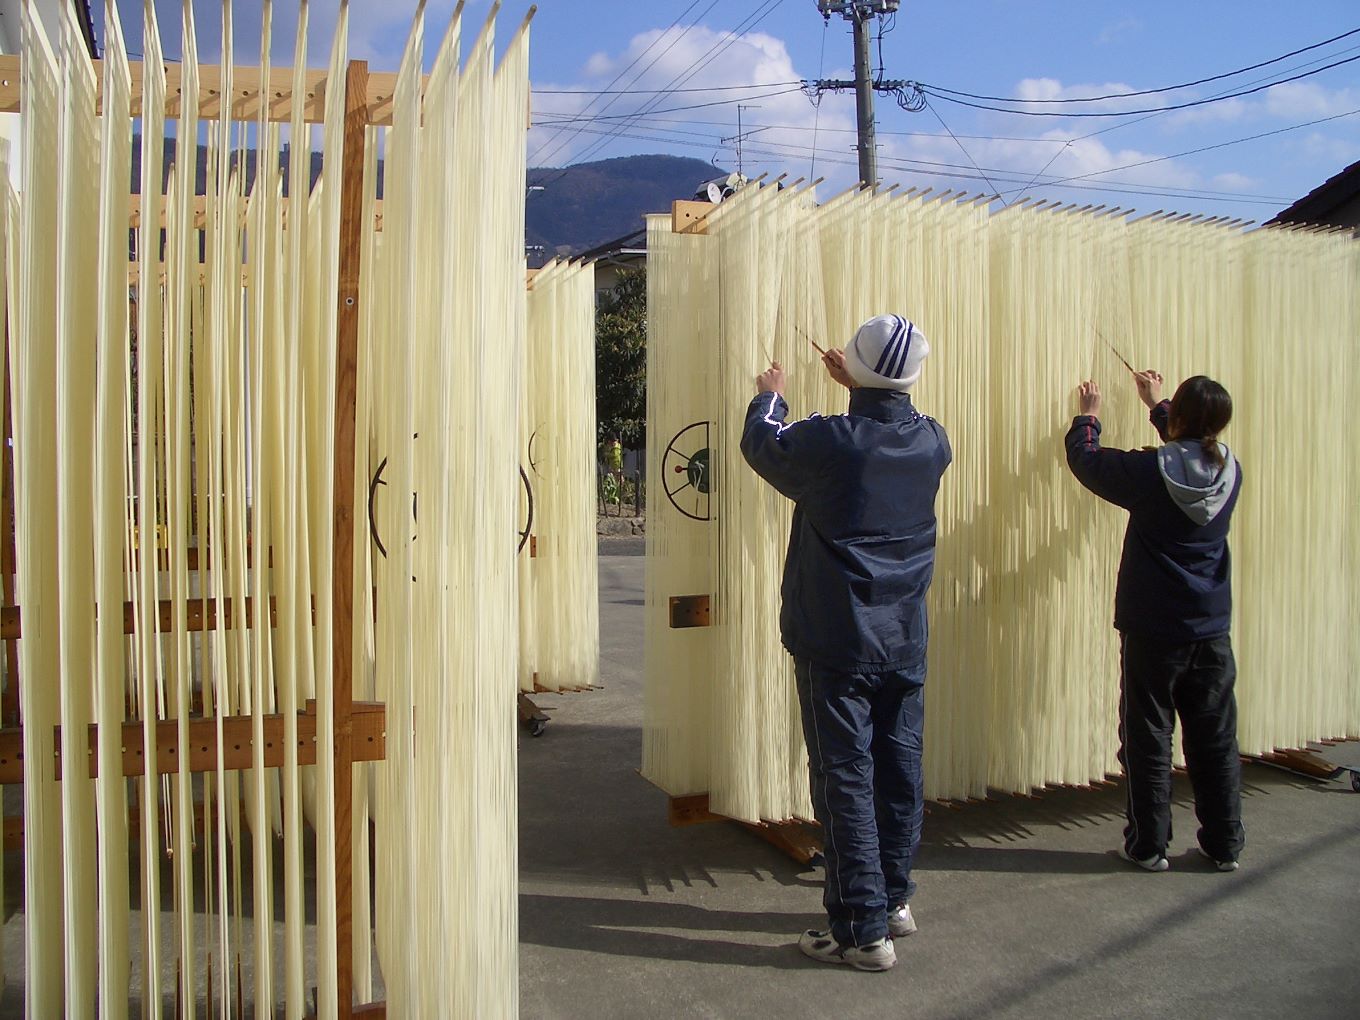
558,550
174,427
1023,673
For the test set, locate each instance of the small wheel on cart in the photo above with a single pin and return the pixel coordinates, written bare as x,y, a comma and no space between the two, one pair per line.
1355,780
537,726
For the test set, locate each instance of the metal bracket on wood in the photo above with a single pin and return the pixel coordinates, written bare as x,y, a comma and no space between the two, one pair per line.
691,611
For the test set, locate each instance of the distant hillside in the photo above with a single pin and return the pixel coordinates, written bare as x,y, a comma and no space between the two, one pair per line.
587,204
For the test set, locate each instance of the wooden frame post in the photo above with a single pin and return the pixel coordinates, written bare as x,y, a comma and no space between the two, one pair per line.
342,643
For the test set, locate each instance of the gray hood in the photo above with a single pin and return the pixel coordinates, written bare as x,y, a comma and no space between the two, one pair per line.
1196,484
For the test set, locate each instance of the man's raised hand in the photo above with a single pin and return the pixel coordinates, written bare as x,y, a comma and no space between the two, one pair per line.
771,380
834,360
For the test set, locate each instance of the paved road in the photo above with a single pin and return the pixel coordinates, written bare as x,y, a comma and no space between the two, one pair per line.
1024,910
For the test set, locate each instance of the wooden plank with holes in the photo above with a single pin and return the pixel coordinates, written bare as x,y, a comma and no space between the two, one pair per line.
689,217
246,88
369,740
801,841
1310,763
201,614
690,611
690,810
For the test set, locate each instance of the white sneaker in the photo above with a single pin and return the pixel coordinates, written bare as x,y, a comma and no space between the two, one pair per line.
1158,863
900,922
1220,865
821,946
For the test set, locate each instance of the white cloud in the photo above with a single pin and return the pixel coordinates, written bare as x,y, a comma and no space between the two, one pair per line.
1307,100
1233,181
1327,151
598,65
778,117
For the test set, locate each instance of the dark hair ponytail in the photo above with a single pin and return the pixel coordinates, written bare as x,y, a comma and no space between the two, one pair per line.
1201,409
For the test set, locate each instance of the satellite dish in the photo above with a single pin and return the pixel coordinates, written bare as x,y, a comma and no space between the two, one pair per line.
714,191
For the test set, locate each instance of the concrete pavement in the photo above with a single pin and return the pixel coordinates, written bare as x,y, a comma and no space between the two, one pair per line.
1024,908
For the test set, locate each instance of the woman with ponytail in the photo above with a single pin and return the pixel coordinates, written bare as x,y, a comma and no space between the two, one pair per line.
1173,610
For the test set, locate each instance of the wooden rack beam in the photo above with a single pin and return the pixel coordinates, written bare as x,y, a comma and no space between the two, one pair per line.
247,93
358,115
370,743
201,614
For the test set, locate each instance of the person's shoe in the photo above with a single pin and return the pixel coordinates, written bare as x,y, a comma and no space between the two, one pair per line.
1220,865
821,946
900,922
1157,863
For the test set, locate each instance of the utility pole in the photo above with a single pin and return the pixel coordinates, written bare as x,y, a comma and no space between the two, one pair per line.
861,13
864,99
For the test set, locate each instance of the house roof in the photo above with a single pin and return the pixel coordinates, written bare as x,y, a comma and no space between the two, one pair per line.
1318,204
634,243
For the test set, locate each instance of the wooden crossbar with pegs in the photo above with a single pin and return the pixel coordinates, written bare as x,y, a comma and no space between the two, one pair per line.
359,728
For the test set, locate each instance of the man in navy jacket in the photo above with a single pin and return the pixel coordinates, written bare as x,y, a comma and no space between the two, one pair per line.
860,559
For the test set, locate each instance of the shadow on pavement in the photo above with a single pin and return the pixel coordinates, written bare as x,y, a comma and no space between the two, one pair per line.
620,928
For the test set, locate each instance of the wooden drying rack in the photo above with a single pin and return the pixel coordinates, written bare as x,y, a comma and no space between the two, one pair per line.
800,840
360,728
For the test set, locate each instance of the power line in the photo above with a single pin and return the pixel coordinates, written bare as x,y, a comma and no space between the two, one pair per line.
969,155
650,64
645,92
643,115
785,153
1202,148
762,10
804,127
1165,88
928,90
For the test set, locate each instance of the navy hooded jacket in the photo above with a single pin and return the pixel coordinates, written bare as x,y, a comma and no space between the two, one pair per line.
862,545
1175,578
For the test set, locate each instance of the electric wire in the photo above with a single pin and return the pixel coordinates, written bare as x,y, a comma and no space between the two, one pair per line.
928,90
761,11
967,154
651,63
1156,91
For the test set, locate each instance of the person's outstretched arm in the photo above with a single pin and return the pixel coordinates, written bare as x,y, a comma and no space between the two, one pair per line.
1149,383
1104,472
783,455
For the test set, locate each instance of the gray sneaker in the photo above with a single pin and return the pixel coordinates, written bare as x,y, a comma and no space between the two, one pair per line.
1157,863
821,946
900,922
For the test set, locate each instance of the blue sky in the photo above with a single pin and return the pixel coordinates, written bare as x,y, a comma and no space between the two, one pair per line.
749,50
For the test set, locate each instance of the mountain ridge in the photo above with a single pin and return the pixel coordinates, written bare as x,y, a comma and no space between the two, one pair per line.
586,204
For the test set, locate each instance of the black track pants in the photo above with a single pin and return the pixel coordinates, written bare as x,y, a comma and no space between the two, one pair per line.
1194,681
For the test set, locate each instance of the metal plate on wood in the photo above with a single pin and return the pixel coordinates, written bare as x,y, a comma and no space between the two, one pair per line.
691,611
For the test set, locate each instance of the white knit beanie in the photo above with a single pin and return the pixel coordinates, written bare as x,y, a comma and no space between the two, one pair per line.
886,353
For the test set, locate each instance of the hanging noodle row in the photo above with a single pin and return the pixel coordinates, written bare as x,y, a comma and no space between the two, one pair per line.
175,420
1020,306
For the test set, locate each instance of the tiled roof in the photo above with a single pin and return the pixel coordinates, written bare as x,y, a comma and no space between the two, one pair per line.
1315,206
